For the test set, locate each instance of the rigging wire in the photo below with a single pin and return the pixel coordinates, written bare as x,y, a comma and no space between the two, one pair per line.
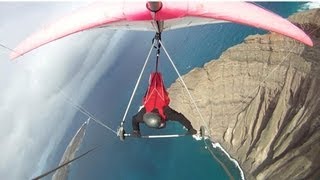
66,163
136,86
7,48
71,101
84,111
285,58
266,77
185,86
194,103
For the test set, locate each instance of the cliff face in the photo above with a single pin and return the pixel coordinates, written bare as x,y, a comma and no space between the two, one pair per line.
261,101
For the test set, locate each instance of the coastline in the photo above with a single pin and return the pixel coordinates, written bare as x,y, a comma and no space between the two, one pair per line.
217,145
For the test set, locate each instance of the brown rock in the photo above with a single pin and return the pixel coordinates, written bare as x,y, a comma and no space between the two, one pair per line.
261,102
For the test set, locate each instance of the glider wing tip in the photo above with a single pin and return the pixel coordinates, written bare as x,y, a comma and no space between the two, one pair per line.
309,42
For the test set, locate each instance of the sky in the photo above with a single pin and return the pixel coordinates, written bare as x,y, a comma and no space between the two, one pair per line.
34,113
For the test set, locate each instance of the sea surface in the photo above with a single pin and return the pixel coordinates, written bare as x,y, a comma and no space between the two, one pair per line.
157,159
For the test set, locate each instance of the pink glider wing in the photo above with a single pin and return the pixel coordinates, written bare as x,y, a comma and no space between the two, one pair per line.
174,14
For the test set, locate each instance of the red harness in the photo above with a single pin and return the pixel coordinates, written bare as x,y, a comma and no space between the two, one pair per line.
156,96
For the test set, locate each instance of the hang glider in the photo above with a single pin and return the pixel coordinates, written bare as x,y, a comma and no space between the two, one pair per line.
159,16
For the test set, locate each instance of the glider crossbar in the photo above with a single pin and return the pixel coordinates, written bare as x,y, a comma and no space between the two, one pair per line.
136,86
185,86
158,136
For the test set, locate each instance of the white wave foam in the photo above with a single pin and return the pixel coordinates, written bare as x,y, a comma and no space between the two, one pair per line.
310,5
217,145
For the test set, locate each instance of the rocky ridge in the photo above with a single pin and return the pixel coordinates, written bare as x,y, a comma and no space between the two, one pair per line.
261,102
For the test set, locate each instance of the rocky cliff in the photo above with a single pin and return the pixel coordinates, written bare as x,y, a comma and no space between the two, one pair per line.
261,102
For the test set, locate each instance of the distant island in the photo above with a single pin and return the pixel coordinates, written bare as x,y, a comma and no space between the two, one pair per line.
70,152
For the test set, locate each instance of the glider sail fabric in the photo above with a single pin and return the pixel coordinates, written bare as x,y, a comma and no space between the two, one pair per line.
134,15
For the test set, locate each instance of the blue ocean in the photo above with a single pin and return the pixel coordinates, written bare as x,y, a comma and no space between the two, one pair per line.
157,159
